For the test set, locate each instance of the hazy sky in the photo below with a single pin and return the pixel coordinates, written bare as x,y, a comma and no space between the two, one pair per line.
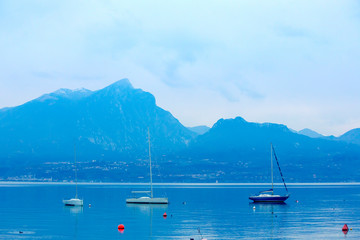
290,62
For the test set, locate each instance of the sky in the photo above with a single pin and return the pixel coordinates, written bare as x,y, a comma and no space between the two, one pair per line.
291,62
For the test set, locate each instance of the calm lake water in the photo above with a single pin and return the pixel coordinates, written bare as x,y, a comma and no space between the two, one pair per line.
220,212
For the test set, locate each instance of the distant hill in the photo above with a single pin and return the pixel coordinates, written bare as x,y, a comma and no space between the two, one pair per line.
352,136
244,148
310,133
199,129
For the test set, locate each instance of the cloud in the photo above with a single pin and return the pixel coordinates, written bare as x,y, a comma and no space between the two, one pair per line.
289,31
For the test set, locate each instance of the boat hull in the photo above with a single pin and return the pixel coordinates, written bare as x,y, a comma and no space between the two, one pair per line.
73,202
145,200
275,198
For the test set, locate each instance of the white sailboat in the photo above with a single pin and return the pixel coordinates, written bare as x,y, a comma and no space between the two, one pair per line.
74,201
149,199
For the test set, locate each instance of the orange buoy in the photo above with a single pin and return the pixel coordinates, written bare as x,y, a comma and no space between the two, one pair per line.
121,227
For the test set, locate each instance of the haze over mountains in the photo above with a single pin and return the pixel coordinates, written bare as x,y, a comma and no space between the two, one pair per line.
109,128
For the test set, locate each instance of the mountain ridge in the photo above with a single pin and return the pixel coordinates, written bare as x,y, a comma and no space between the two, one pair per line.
109,128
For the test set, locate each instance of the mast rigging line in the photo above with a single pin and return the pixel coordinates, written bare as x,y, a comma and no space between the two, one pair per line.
282,177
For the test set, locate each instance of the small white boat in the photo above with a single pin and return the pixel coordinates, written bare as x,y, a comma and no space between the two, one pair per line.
74,201
149,199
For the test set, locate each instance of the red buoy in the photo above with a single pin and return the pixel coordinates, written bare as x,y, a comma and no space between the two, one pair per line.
121,227
165,215
345,229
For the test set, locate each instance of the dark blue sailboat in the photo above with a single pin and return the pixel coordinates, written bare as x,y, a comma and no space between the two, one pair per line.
268,195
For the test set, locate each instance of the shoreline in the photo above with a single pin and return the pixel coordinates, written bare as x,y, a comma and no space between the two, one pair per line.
179,184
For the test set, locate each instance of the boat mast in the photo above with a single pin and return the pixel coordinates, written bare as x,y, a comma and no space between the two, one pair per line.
272,170
76,196
151,187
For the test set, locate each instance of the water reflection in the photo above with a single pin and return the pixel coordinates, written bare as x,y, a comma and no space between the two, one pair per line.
74,209
269,206
272,215
145,208
150,210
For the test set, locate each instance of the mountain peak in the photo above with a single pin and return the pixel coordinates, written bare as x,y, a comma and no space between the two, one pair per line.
123,83
69,92
120,87
65,93
310,133
240,119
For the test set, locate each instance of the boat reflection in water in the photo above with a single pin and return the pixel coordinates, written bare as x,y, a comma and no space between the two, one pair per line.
264,206
74,209
146,208
147,215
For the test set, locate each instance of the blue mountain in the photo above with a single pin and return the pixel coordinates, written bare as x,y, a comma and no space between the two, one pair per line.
241,149
105,124
352,136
